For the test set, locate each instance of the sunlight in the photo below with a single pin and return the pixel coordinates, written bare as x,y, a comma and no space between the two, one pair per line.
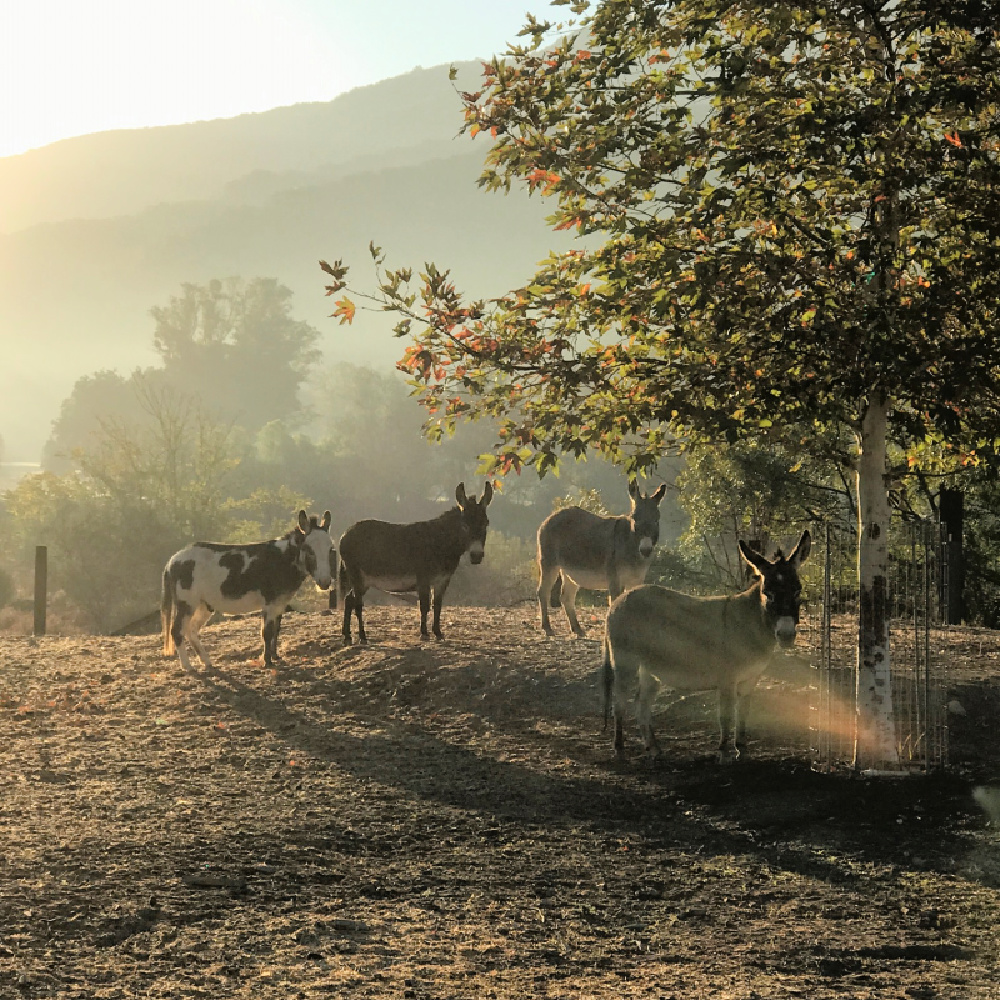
68,68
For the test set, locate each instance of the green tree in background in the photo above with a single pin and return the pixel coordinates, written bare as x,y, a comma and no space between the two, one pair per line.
756,492
235,344
794,222
104,395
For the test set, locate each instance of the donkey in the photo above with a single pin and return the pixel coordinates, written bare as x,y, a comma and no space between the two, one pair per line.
210,576
701,643
579,549
421,556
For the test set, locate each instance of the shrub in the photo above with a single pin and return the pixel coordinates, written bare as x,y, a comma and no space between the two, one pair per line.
7,589
505,577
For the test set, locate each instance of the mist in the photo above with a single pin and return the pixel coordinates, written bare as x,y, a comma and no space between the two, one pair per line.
99,230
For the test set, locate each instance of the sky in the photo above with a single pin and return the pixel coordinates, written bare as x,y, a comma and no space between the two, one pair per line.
70,67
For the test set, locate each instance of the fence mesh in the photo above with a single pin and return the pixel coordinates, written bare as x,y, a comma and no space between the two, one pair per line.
917,593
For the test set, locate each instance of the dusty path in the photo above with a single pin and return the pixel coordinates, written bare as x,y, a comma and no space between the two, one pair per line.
437,820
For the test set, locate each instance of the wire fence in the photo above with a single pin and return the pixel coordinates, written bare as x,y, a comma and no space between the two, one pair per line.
917,594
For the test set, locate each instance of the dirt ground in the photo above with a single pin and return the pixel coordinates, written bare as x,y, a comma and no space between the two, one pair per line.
445,820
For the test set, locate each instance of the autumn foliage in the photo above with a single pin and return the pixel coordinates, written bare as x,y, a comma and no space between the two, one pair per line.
784,212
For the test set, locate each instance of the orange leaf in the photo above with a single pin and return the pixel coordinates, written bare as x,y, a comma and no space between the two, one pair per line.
345,310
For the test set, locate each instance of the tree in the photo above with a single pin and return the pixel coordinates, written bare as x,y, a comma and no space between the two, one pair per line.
792,222
145,486
236,345
755,493
102,396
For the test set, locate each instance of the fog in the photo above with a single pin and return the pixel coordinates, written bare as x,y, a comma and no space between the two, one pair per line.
99,230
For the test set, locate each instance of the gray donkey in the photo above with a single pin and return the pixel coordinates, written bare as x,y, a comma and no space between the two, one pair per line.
579,549
659,636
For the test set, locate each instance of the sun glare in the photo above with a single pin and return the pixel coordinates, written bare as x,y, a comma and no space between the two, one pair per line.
68,68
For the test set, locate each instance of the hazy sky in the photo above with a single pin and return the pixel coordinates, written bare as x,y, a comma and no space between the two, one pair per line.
68,67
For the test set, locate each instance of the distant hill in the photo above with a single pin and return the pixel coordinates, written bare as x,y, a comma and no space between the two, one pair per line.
122,172
101,228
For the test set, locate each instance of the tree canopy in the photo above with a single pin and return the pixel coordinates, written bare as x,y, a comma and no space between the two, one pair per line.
790,222
787,211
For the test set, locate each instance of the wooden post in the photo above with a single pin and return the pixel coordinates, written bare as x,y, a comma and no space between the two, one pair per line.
952,507
41,586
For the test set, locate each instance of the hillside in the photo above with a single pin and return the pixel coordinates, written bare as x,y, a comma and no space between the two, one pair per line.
118,225
122,172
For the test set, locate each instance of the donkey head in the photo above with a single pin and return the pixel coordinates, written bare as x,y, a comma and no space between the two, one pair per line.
312,541
780,590
474,520
645,517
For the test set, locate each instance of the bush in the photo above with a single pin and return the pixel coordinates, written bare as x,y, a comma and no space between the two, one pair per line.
7,589
505,577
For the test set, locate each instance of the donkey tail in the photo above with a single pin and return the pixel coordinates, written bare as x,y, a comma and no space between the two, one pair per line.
608,672
343,583
333,583
167,613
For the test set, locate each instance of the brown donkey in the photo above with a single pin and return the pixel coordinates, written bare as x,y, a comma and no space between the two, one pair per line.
658,636
421,556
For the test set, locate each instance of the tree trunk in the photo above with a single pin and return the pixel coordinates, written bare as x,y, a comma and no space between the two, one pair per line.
875,738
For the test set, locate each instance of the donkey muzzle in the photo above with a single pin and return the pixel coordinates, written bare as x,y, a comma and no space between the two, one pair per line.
784,632
476,552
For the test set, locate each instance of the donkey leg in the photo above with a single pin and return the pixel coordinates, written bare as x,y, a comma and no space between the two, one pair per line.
648,686
744,699
199,616
359,605
438,600
348,611
570,590
178,631
424,593
742,704
727,712
270,623
546,578
624,669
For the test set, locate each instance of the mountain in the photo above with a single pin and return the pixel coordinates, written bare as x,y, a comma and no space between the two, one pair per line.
101,228
120,173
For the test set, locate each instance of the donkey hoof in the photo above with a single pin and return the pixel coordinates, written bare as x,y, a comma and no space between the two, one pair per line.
348,641
728,755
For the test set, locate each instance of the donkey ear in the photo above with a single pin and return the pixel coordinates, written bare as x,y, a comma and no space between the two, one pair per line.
658,495
325,523
801,551
633,489
303,522
754,560
487,494
460,495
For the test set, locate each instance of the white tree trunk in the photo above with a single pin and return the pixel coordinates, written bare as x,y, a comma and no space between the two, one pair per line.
875,737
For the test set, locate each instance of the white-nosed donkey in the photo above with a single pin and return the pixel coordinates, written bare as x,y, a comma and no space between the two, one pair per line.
654,636
235,579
